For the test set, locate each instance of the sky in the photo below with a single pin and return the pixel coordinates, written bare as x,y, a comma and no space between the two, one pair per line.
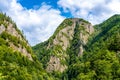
38,19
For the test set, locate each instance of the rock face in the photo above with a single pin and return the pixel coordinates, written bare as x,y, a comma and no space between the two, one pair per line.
55,65
2,28
62,41
12,32
71,32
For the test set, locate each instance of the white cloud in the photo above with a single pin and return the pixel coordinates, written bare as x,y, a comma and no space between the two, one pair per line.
93,10
38,25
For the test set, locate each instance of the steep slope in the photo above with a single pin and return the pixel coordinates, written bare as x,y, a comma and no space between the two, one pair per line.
13,37
101,60
76,51
54,52
17,61
99,46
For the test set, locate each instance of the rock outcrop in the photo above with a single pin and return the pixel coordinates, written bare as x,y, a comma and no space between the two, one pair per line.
2,28
62,41
20,44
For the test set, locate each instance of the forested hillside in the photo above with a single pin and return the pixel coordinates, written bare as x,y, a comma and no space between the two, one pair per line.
72,34
77,50
100,59
17,60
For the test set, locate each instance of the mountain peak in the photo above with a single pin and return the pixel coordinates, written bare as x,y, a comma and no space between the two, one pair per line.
71,31
76,51
78,20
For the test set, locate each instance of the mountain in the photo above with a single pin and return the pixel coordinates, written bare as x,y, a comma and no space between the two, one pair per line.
71,32
100,60
17,60
12,36
79,51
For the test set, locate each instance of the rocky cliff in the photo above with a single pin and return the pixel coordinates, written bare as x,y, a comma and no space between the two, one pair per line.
17,61
61,41
76,51
13,36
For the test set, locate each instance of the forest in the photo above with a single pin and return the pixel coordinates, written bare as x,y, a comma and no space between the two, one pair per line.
100,59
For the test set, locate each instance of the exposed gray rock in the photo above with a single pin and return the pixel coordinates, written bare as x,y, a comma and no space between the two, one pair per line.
55,65
63,39
12,31
2,28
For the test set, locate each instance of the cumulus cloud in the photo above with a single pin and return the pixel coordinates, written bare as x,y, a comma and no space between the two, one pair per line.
94,11
38,25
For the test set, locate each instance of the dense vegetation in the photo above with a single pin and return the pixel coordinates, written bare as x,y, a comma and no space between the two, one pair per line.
99,61
43,53
5,20
101,57
66,22
74,49
13,64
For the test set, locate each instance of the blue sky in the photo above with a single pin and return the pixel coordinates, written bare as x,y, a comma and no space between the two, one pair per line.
32,3
39,18
35,4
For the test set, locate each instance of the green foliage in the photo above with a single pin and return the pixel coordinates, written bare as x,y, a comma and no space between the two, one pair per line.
66,22
3,42
109,25
42,53
74,49
101,59
84,21
114,45
14,66
16,41
5,20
